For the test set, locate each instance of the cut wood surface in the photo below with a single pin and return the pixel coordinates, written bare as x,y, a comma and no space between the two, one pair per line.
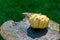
11,30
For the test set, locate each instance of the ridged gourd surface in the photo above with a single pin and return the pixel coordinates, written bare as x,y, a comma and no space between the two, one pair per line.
39,21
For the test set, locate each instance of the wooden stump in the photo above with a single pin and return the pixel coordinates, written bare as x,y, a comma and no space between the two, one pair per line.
11,30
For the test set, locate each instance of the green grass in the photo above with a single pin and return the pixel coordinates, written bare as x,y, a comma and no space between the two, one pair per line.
13,9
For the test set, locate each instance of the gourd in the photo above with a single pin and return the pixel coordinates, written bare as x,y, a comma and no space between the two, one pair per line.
38,21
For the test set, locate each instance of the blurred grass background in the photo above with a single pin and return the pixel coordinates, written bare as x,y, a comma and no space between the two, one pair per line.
13,9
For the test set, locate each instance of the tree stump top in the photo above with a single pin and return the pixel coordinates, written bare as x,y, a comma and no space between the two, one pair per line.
11,30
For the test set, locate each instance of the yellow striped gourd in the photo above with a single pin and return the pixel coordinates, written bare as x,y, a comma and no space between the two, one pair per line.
38,21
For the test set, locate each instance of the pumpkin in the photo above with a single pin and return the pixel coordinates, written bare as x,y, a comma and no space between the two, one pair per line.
38,21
